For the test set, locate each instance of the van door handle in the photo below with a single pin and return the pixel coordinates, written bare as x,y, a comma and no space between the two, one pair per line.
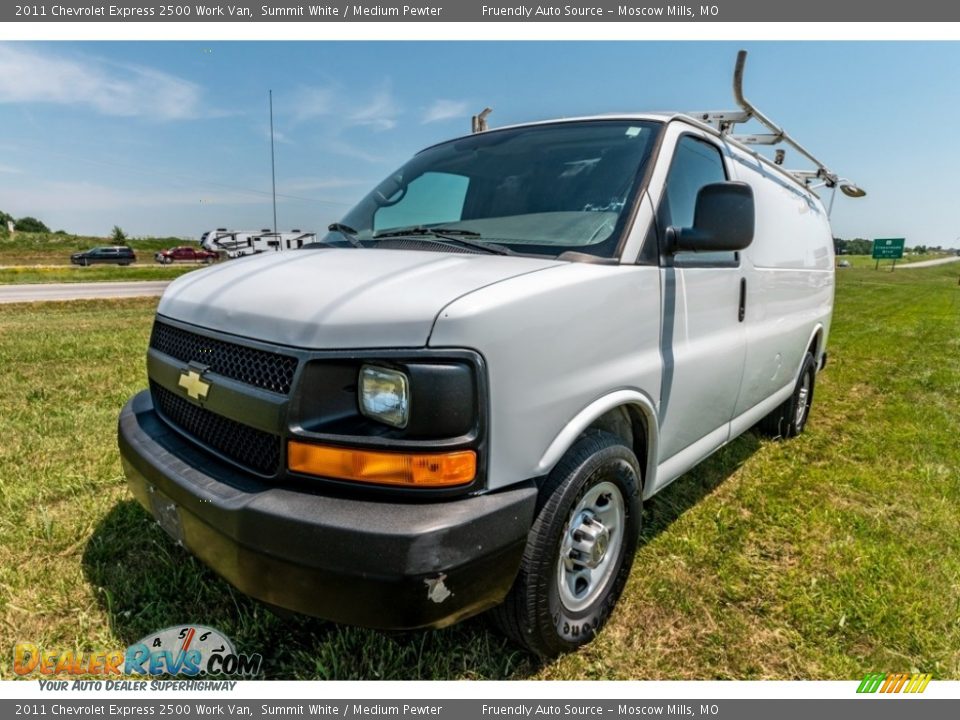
743,298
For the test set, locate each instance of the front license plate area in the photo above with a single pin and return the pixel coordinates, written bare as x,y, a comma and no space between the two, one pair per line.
166,513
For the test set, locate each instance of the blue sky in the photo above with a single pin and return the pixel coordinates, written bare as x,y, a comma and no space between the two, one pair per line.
170,138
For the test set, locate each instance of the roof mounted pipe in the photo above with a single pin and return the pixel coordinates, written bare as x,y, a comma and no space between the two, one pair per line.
478,122
779,134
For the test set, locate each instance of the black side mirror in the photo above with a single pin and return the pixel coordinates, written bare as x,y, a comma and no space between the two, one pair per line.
723,220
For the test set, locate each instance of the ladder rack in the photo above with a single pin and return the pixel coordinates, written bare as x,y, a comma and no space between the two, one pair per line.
725,121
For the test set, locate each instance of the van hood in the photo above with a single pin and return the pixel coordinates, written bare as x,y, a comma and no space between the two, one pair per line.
330,298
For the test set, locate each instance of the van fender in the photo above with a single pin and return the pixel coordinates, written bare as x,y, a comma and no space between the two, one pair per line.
817,329
573,429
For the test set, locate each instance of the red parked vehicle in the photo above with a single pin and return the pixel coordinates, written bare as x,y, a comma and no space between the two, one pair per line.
185,254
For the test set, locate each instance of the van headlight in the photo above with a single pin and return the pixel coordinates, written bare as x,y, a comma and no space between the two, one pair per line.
385,395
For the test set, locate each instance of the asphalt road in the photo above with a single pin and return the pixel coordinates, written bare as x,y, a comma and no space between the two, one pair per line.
80,291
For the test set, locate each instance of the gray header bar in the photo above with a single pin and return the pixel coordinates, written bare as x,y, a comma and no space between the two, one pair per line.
326,11
873,708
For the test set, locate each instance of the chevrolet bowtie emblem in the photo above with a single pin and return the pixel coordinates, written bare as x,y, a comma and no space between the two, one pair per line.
196,386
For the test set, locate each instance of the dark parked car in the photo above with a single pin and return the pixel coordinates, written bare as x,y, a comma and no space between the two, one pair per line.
115,255
185,254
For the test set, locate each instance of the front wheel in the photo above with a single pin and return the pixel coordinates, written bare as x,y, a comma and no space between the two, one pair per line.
579,549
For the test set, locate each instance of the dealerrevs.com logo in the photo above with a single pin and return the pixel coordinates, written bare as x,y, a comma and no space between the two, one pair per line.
185,650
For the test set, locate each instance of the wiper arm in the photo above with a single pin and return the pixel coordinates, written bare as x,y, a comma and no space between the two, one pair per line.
348,232
422,230
444,236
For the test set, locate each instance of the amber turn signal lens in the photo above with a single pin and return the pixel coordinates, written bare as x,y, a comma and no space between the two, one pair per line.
383,468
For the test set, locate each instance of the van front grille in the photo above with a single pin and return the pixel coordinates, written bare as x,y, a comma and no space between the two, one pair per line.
260,368
247,446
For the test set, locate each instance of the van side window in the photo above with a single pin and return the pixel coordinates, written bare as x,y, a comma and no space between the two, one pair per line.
695,163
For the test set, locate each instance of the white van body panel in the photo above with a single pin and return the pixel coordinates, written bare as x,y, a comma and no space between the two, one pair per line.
790,280
554,343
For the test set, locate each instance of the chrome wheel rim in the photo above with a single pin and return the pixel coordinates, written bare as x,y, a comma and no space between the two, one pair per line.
803,400
590,546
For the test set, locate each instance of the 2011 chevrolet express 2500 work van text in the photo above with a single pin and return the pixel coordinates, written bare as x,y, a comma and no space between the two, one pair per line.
461,396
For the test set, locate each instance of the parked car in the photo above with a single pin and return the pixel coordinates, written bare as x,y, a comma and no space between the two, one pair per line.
116,255
185,254
461,397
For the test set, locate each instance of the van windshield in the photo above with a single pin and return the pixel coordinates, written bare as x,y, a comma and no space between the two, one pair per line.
543,189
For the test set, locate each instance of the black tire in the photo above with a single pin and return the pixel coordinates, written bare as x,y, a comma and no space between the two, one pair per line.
789,418
535,613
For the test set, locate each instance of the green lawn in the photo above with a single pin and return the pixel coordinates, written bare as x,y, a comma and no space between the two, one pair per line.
827,556
24,274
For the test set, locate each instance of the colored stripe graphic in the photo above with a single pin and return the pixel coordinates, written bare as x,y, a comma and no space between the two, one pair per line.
894,683
871,682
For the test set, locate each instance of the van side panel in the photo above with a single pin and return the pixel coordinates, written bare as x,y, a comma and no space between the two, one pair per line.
790,280
554,343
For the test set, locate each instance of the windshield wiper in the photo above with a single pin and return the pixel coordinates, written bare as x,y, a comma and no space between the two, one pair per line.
445,236
348,232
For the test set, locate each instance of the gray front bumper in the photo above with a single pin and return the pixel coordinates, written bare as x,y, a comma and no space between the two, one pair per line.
365,562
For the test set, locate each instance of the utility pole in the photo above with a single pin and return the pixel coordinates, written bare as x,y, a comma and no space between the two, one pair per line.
273,167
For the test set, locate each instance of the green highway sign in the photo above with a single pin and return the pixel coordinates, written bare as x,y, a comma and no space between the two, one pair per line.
888,248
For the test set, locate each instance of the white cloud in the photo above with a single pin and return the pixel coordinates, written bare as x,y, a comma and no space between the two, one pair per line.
9,169
28,75
445,110
277,135
380,112
313,102
341,147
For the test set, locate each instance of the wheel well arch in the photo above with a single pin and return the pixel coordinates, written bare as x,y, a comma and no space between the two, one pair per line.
815,342
814,347
627,414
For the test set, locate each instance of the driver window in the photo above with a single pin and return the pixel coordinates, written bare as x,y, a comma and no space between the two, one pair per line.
431,199
695,163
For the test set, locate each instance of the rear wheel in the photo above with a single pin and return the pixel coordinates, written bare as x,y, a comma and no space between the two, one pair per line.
579,549
789,418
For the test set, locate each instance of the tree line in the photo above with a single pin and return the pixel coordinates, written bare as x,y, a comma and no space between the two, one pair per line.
33,225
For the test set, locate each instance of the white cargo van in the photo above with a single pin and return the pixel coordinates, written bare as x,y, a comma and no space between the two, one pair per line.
461,396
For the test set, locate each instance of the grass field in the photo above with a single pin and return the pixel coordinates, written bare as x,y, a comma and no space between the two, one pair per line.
827,556
24,274
45,258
